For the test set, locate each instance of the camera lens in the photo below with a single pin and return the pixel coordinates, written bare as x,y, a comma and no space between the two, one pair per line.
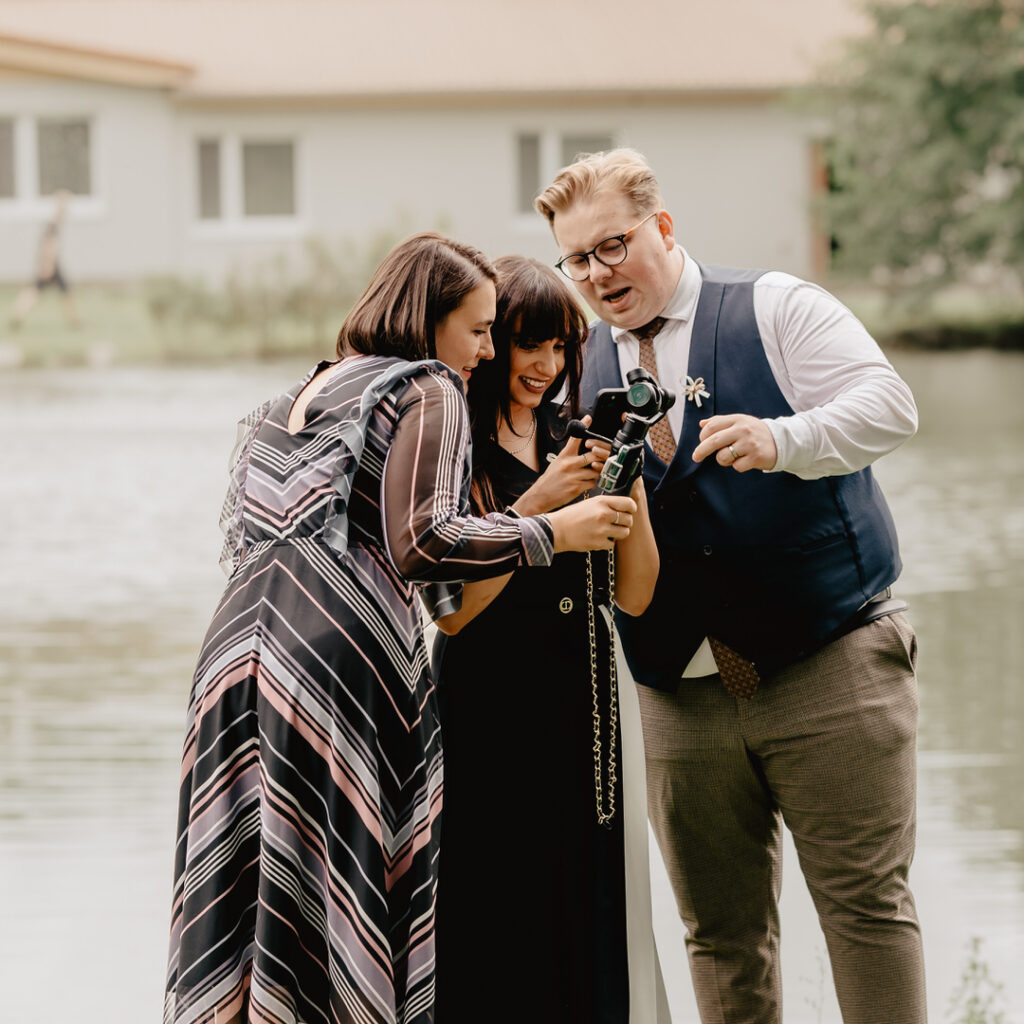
639,395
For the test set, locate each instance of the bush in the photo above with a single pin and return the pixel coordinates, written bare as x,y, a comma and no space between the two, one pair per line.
276,307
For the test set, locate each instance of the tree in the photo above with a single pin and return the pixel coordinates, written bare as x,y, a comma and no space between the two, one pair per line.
926,151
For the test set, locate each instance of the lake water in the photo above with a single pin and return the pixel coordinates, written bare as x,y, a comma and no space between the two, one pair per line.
111,488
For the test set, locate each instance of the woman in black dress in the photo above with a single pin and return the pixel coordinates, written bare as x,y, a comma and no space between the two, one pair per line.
532,892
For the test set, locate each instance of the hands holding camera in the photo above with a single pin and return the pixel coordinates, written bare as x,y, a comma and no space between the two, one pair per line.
589,525
595,524
569,474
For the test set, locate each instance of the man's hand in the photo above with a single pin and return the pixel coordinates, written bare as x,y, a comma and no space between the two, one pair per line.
741,441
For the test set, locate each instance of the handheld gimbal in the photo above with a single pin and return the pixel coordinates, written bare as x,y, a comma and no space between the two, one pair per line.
648,402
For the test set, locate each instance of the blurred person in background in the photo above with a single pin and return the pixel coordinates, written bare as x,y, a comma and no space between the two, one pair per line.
311,786
48,271
778,674
539,834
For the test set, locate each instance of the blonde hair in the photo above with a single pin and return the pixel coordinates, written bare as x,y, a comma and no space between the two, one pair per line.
624,171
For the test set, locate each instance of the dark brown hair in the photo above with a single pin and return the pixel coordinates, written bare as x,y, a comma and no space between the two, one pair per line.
534,304
417,285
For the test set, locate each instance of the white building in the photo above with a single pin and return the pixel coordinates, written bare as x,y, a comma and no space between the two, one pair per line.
202,134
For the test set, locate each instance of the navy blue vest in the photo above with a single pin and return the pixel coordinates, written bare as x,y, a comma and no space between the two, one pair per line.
768,563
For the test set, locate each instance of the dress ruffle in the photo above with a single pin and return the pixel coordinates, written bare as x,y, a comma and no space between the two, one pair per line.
352,441
231,512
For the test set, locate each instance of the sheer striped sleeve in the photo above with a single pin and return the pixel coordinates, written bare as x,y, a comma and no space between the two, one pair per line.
424,496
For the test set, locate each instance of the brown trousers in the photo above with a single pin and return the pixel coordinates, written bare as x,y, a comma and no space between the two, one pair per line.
827,746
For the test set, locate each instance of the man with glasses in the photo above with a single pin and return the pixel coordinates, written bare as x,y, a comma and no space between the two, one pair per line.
777,672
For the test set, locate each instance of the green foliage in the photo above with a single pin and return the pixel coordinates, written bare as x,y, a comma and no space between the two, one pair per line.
976,998
282,305
926,115
274,307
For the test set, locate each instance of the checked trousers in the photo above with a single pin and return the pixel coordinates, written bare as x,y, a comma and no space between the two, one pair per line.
827,747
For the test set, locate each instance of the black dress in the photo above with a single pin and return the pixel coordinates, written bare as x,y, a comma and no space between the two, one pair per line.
531,892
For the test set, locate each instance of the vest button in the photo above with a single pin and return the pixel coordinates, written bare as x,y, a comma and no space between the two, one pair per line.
707,549
565,605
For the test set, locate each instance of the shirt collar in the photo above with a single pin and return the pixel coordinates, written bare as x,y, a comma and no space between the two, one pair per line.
683,301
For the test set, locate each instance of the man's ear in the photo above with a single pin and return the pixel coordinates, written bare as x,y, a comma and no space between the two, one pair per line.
667,229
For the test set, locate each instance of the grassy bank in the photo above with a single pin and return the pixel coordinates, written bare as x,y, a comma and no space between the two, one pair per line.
118,326
166,322
955,318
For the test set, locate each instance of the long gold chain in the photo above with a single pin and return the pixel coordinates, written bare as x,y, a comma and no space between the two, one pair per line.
604,817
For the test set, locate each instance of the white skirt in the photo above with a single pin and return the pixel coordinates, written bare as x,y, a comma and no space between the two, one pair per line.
648,1003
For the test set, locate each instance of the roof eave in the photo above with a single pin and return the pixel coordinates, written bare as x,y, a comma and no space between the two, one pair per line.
626,97
37,57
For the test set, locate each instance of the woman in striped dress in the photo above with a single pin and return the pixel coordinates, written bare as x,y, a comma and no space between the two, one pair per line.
311,784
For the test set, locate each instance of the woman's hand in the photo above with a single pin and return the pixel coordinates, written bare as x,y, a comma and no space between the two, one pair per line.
567,477
594,524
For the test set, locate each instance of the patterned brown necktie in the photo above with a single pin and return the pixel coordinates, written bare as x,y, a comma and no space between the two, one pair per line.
660,436
739,677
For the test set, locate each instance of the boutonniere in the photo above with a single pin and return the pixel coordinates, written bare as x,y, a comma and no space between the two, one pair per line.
694,390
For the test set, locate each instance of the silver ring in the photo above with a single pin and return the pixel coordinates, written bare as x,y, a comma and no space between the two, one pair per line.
616,521
734,453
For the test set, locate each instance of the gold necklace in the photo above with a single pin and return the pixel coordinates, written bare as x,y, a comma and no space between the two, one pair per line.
604,817
526,443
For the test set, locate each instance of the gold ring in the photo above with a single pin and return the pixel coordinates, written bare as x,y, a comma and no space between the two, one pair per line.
735,454
616,521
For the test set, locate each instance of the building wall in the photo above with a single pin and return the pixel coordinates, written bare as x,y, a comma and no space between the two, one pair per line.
736,177
125,228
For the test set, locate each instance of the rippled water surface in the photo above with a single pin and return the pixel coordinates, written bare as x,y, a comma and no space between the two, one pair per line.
112,482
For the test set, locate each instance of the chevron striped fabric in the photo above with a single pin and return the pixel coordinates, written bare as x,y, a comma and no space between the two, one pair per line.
311,784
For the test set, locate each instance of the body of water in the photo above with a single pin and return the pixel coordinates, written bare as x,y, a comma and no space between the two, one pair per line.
111,490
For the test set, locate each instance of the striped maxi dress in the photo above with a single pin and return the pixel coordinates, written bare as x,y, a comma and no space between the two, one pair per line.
311,784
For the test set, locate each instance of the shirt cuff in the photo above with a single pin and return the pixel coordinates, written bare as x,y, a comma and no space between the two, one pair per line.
794,444
440,599
538,540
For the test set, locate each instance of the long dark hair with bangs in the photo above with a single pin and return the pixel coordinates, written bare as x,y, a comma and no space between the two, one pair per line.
534,304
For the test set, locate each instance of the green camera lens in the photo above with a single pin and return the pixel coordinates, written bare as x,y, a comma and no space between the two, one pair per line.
638,395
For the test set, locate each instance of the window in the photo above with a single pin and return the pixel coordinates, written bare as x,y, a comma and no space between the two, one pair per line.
540,155
41,154
63,148
268,179
240,179
209,179
6,158
529,171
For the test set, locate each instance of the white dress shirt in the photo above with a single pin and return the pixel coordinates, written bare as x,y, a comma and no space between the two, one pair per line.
849,404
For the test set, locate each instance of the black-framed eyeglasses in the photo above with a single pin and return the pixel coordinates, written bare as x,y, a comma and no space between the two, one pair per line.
610,251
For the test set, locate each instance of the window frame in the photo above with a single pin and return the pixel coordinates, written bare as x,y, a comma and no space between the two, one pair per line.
233,221
551,139
28,203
